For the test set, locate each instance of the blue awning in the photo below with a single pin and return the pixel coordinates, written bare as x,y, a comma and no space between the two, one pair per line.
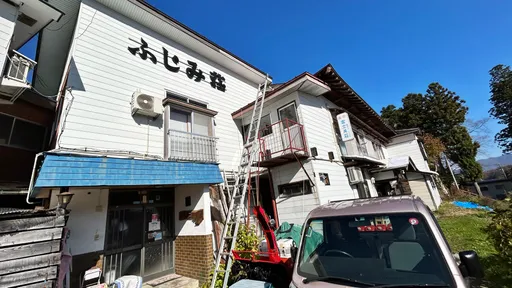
59,170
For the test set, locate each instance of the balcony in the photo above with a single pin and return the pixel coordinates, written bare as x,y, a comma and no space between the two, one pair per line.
281,143
354,151
184,146
15,78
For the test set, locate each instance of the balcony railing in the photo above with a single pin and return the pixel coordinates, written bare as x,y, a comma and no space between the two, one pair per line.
283,138
184,146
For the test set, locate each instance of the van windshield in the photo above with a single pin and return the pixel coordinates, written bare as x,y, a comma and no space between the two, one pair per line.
391,249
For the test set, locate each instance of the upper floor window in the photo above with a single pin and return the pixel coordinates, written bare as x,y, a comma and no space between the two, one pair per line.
188,115
378,149
265,127
295,189
288,111
19,133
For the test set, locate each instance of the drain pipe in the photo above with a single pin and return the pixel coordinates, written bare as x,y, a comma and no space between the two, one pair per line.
32,178
167,116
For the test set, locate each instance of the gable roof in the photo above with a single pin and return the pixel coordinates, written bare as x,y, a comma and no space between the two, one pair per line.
345,97
276,88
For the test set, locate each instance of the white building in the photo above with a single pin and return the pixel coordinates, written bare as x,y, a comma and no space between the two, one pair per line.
372,160
149,114
144,119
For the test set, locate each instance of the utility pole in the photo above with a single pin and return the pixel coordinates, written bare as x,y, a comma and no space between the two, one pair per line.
451,172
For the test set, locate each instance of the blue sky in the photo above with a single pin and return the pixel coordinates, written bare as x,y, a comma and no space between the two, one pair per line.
383,49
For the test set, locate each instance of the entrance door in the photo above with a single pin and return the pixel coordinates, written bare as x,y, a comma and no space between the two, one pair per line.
158,252
139,234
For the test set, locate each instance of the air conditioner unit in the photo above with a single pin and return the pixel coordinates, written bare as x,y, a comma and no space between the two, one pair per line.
147,105
355,175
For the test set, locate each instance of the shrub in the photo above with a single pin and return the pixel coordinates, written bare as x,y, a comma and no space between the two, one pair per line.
500,230
247,240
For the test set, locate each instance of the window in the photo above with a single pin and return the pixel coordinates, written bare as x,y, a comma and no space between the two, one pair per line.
289,111
500,187
190,118
361,144
21,134
378,149
484,188
387,249
265,127
295,189
5,128
191,122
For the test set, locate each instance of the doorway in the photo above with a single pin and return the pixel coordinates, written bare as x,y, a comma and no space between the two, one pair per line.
139,234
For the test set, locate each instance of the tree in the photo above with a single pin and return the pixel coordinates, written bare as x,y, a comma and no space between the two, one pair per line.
501,99
480,132
440,113
434,147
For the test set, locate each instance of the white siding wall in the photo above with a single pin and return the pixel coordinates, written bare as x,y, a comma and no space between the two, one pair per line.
7,23
200,199
293,209
88,218
407,146
105,75
419,188
272,106
319,132
436,197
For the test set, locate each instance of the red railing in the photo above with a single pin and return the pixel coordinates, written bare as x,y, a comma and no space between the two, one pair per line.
281,138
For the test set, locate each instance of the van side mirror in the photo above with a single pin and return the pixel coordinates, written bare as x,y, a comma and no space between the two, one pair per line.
471,264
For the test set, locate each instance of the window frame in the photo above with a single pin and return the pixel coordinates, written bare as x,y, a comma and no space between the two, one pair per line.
245,128
292,103
186,110
305,183
13,125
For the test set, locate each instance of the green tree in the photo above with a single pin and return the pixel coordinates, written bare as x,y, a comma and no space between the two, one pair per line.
501,99
440,113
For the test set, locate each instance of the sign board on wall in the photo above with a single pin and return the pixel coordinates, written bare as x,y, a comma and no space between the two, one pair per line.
173,64
345,127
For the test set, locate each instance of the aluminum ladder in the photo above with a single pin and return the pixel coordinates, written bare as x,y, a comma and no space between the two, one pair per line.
237,198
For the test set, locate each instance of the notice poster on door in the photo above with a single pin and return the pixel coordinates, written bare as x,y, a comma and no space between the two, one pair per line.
154,225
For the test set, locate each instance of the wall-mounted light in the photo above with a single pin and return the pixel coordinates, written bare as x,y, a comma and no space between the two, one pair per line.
314,152
331,155
64,198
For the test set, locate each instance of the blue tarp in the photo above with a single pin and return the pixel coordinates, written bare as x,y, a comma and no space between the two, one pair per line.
471,205
60,170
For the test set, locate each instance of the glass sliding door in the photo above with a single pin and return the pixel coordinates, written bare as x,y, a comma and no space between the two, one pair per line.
139,234
158,240
123,242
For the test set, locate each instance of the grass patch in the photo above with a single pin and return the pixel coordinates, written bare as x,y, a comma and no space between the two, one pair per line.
465,230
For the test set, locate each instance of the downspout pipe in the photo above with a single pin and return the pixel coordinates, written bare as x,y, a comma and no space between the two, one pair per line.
32,178
167,117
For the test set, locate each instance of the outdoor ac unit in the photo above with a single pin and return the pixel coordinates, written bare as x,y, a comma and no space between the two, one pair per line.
355,175
147,105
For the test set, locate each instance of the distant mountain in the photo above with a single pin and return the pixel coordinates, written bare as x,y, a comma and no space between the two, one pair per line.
495,162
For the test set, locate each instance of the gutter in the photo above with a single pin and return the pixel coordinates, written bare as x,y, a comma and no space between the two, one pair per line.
32,178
